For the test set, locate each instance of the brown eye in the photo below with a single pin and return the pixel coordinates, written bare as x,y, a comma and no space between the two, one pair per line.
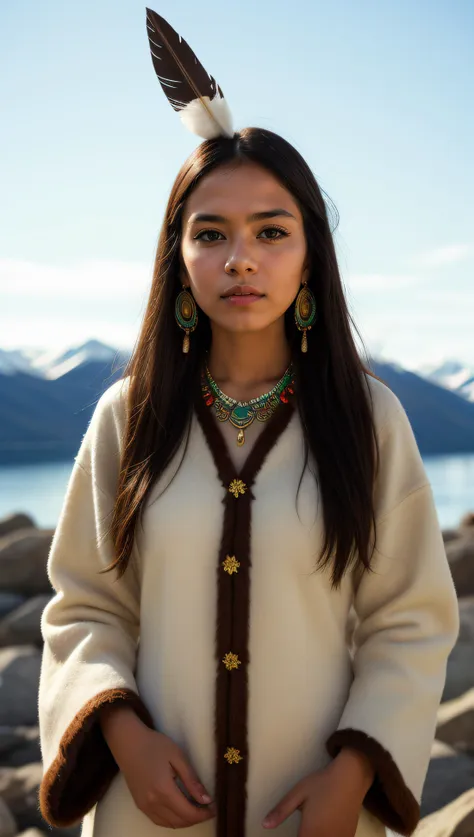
202,233
280,233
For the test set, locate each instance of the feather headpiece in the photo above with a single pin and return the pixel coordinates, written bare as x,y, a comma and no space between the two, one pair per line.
188,87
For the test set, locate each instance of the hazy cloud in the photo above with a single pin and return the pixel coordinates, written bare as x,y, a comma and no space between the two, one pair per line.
444,255
97,280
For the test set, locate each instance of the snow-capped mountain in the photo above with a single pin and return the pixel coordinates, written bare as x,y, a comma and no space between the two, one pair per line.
54,364
453,375
51,365
47,400
14,361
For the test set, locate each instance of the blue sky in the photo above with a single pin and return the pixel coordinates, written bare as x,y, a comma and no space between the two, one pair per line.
376,95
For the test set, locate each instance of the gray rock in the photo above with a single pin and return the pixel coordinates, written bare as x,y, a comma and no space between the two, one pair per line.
19,788
454,820
19,680
466,616
448,777
466,523
9,601
73,831
460,671
23,558
450,535
23,625
455,724
8,826
14,522
19,745
460,553
32,832
439,749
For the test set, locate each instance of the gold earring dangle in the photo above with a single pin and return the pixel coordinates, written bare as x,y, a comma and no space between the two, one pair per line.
305,312
186,315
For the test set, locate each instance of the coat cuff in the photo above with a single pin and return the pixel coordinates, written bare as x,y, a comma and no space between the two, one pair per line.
388,798
84,767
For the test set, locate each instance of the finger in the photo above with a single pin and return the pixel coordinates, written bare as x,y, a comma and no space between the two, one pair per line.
190,780
293,800
181,807
170,819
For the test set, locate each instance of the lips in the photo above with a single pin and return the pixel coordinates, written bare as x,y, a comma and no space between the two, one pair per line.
241,290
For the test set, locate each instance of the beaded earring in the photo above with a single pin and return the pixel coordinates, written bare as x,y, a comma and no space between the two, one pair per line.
305,312
186,314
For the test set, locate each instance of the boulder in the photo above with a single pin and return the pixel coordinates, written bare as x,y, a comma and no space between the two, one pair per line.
460,553
467,522
466,618
19,675
441,750
450,535
19,745
454,820
8,826
23,625
19,788
459,670
32,832
450,774
9,601
23,558
14,522
456,723
72,831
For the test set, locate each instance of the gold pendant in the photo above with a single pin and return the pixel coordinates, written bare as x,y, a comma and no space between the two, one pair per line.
240,438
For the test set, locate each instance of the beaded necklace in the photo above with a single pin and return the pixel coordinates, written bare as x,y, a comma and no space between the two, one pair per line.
242,414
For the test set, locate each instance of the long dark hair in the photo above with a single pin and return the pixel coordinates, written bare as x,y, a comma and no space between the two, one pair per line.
333,393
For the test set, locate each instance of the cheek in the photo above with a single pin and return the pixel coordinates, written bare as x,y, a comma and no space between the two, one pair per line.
285,266
202,265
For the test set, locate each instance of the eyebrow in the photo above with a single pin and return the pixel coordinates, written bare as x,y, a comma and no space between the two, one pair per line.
256,216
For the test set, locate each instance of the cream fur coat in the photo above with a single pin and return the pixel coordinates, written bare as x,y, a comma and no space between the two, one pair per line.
150,638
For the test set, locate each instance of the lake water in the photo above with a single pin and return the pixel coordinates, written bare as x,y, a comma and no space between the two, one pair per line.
39,489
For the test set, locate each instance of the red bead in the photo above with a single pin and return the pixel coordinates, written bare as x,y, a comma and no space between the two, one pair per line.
209,401
284,398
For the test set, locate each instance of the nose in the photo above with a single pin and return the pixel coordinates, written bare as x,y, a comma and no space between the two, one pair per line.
240,263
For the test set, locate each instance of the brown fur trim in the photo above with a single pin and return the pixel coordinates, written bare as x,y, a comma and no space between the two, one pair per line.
232,624
84,767
388,798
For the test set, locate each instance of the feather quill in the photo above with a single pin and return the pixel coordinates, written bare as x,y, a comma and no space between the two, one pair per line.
189,89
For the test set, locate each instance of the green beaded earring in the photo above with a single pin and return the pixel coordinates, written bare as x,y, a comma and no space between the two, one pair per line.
186,314
305,312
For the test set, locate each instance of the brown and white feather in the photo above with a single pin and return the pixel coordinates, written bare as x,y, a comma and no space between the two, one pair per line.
189,89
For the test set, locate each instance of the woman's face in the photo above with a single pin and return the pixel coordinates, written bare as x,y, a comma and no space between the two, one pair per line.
241,227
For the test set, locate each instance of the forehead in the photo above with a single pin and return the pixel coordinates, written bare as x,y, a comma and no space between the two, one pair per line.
241,189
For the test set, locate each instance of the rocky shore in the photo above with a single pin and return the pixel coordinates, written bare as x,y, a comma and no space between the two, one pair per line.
448,797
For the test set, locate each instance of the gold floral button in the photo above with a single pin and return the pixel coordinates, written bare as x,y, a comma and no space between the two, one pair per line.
231,565
232,755
231,661
237,487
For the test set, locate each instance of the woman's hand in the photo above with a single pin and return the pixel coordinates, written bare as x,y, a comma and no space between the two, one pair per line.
150,762
330,799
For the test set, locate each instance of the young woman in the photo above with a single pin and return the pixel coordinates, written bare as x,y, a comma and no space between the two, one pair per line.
234,496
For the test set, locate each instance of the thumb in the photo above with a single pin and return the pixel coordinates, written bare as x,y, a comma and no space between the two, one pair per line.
190,779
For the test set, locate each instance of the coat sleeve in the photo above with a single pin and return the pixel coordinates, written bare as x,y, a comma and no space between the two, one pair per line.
90,630
407,623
